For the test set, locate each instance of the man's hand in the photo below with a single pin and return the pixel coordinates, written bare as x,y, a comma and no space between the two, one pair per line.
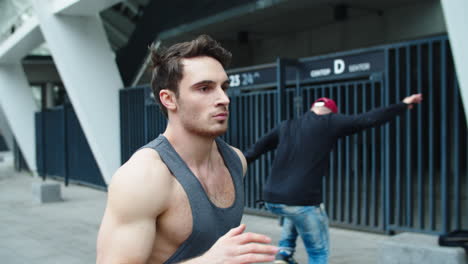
237,247
413,99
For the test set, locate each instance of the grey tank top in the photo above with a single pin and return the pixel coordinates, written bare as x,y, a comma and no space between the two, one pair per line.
209,221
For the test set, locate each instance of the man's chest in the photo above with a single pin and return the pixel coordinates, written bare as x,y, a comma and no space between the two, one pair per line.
219,188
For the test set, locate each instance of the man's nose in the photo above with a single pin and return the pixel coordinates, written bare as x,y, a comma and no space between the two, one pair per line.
223,98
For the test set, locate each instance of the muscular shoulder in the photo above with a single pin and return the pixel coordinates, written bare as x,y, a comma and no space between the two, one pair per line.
242,158
142,186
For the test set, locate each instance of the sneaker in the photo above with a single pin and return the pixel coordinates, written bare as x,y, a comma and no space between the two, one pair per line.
284,257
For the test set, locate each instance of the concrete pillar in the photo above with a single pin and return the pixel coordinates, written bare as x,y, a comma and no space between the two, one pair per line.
19,108
16,96
456,20
88,70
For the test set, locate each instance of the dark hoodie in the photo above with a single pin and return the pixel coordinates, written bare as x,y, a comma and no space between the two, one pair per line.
303,150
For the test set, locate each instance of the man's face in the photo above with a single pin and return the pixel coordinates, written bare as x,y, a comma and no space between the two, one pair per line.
202,105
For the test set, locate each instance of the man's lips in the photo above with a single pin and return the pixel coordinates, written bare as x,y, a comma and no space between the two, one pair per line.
221,116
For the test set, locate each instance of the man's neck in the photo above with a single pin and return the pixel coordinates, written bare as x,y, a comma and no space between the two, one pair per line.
194,149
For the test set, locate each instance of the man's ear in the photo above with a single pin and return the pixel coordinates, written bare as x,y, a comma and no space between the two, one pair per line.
168,99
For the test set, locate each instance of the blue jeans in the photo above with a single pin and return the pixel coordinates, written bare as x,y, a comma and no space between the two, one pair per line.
311,223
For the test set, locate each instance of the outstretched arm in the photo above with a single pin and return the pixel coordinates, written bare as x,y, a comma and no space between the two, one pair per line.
347,125
266,143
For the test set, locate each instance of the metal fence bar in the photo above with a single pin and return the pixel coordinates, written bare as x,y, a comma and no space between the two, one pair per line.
251,141
355,208
431,139
398,210
67,146
123,122
420,182
258,118
373,200
364,200
408,164
456,158
339,205
261,132
332,174
271,123
385,163
385,159
382,221
132,118
280,84
40,144
243,136
234,120
246,121
250,136
443,138
348,168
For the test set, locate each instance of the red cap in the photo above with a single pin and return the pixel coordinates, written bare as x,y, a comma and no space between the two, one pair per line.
328,103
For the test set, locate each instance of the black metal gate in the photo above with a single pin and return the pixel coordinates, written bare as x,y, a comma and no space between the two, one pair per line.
62,150
410,174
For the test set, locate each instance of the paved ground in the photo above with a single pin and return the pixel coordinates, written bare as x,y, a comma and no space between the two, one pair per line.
65,232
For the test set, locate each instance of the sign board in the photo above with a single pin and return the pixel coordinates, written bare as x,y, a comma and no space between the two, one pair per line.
314,69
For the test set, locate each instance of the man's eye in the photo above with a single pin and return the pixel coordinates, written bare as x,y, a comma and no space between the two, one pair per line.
204,88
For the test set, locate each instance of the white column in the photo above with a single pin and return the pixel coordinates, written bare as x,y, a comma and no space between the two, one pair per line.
456,21
19,108
16,97
89,72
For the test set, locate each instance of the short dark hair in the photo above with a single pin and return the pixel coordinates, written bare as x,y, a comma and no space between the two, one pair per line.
167,69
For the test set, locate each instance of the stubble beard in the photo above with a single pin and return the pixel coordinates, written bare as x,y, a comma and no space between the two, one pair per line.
194,125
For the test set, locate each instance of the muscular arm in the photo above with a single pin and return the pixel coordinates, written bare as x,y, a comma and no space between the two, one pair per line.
127,231
266,143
